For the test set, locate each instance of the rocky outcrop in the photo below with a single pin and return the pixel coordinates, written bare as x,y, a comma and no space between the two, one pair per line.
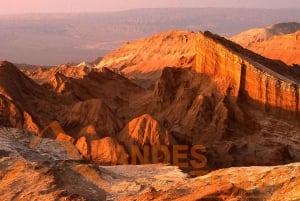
55,78
24,144
250,183
44,169
92,113
25,98
173,48
104,84
144,130
55,131
15,85
105,151
10,114
197,109
243,74
190,106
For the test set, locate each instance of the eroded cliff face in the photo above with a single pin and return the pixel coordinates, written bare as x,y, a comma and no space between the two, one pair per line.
244,75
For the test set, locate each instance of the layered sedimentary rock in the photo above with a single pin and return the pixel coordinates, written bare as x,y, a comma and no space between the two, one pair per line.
242,74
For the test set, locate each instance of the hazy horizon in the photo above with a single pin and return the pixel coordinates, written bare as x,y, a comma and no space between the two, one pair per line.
77,6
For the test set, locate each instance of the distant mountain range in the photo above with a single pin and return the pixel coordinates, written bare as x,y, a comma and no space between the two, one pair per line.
59,38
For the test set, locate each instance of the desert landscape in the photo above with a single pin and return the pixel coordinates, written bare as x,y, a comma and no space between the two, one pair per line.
175,115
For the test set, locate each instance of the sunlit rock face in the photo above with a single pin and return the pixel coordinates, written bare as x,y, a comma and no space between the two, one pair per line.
145,58
278,41
144,130
284,47
242,74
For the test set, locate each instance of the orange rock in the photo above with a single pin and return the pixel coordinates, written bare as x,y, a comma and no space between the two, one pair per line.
173,48
241,73
278,41
104,151
284,47
144,130
95,115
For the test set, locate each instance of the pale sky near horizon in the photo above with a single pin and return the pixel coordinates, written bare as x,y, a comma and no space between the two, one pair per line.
45,6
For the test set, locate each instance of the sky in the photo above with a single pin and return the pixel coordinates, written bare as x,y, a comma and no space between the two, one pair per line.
46,6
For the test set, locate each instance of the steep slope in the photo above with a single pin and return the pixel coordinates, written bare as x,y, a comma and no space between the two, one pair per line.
80,104
144,130
244,74
13,116
251,36
196,111
31,99
279,41
173,48
112,88
93,114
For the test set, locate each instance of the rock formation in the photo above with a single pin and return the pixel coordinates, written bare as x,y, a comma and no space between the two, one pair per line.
241,107
144,130
104,151
242,74
55,78
12,116
250,183
92,113
173,48
279,41
27,98
45,169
